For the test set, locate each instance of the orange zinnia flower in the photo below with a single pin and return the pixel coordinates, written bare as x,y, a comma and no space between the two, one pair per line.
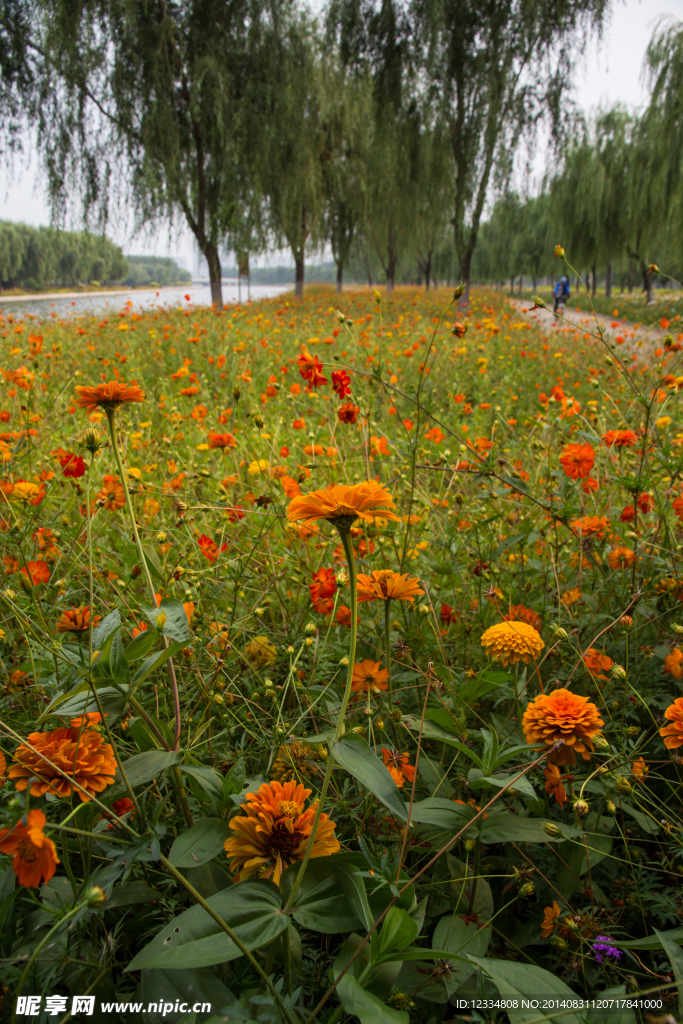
83,756
553,783
399,767
566,716
368,677
37,572
510,642
108,396
275,831
678,507
322,590
75,620
344,503
577,460
387,585
34,857
221,440
621,557
597,662
112,496
673,734
619,438
551,919
673,663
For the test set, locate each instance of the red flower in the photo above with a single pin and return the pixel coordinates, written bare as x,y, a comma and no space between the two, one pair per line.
73,466
340,383
348,413
234,514
646,502
619,438
311,368
628,514
323,589
448,615
37,572
210,548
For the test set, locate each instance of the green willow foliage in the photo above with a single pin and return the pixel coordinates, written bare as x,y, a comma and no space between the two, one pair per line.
38,257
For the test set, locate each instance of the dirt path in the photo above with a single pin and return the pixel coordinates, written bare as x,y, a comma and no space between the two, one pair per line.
637,340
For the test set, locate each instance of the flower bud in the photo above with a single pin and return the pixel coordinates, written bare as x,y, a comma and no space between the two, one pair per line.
95,896
9,593
558,942
160,620
310,628
236,392
558,632
378,295
92,440
259,611
358,730
470,844
653,269
396,715
559,252
528,889
618,671
581,807
342,578
668,341
309,641
289,649
622,785
611,807
379,724
217,698
676,628
552,830
258,421
626,621
600,742
344,662
459,330
458,292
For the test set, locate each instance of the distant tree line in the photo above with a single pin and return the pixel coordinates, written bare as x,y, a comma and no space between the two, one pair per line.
379,129
33,257
154,270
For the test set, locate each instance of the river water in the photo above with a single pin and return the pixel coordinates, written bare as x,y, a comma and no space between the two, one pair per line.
112,302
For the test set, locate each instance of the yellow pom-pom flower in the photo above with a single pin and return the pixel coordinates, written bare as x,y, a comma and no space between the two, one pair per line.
510,642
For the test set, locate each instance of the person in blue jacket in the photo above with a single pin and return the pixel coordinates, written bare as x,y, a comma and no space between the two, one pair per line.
561,293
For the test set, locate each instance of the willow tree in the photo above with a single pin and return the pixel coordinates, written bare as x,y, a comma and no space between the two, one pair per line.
500,67
163,100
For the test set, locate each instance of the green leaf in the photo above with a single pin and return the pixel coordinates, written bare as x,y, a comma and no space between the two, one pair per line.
321,904
526,981
613,1015
105,628
353,887
145,738
355,756
140,645
652,941
150,556
253,910
503,827
111,665
131,895
461,889
209,780
154,661
200,844
522,785
675,957
442,813
461,937
398,931
176,626
82,700
142,768
366,1006
233,782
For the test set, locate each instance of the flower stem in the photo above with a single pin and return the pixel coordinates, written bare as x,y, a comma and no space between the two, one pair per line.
124,483
387,656
345,534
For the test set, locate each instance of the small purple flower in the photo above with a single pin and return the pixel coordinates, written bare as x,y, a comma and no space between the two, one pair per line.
602,945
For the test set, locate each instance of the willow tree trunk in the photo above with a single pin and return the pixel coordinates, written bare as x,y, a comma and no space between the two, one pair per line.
299,278
215,274
340,276
608,282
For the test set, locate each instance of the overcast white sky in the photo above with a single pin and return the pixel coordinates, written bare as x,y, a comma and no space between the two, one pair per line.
610,73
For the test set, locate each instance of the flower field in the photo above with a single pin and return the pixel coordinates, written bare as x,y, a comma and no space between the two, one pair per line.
341,659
